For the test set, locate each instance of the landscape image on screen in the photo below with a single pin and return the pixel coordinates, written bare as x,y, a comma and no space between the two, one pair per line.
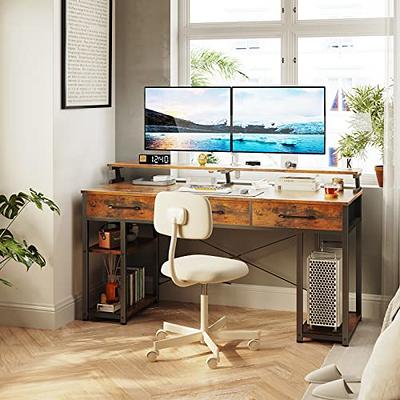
196,119
279,120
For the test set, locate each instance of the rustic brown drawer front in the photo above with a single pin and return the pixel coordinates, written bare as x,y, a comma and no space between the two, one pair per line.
297,216
230,212
120,207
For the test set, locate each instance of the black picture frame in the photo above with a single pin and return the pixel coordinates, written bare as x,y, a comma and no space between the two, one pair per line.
64,89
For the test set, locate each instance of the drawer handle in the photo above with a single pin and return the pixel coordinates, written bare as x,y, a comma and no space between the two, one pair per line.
219,212
311,217
118,207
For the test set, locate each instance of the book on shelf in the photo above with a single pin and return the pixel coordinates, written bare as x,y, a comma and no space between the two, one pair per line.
135,284
109,308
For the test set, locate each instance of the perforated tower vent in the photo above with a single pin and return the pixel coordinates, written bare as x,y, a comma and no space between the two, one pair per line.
323,295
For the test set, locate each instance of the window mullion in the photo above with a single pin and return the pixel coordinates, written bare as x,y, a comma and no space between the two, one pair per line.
184,42
289,46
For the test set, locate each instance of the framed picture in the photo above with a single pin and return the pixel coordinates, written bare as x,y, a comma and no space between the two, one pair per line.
86,58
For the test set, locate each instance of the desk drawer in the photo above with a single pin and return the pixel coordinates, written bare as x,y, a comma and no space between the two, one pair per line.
230,212
120,207
297,216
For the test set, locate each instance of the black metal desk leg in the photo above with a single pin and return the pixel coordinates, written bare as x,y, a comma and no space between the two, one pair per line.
345,277
359,267
123,283
85,269
299,288
317,241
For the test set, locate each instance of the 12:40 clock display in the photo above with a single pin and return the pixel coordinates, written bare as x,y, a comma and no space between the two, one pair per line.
155,159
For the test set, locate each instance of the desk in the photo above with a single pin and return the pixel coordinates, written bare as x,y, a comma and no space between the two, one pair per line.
296,211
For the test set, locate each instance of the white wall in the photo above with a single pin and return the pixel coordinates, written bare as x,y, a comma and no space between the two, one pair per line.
84,142
56,151
143,59
26,142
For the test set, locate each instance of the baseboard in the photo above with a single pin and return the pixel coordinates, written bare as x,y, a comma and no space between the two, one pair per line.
261,297
40,316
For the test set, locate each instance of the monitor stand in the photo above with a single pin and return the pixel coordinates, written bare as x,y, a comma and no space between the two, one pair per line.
235,163
234,159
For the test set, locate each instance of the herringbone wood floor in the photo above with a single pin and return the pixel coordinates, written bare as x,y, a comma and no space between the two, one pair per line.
95,360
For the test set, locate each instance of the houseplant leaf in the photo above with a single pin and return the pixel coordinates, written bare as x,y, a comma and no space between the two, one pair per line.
364,100
21,252
10,207
5,282
12,249
39,200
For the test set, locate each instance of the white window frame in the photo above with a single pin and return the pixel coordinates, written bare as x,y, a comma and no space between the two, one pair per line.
289,29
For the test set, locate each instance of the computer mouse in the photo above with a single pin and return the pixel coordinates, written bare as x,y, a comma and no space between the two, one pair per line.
244,191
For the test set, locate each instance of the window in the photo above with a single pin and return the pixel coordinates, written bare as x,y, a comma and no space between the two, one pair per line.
230,10
258,60
336,43
317,9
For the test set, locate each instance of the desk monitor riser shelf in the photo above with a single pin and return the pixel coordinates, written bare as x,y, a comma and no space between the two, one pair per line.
297,212
226,170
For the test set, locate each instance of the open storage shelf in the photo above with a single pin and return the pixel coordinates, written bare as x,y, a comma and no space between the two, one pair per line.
131,248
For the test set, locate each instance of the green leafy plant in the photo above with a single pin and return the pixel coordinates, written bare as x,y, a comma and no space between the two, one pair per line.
205,62
12,248
212,158
367,100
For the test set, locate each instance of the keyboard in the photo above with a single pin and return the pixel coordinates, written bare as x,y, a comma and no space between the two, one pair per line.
205,189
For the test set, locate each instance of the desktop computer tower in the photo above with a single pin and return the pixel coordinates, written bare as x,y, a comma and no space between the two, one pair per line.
324,277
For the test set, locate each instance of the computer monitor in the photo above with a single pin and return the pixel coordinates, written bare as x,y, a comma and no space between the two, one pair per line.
285,119
188,118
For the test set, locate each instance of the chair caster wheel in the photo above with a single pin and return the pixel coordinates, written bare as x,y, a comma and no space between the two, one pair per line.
253,344
161,334
212,362
152,355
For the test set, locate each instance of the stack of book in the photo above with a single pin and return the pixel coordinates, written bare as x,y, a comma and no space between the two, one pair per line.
109,308
135,284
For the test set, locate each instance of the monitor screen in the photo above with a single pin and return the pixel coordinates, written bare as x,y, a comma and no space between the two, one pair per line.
278,120
186,118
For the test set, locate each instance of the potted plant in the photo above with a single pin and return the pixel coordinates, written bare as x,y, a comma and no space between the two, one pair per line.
12,248
366,125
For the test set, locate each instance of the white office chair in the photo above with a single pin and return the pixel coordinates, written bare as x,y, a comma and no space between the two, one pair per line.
188,216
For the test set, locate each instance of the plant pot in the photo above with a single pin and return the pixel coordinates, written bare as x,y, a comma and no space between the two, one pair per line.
379,174
346,163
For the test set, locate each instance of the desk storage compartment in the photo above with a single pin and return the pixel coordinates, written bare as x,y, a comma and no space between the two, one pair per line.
297,216
120,207
231,211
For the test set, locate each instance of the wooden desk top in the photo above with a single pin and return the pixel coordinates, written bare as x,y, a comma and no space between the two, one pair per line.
126,188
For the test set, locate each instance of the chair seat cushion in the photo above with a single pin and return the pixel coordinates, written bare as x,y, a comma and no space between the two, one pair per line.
206,269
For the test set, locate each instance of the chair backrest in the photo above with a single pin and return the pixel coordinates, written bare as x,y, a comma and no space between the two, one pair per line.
191,212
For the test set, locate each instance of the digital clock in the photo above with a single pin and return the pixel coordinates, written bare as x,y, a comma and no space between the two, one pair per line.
154,159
